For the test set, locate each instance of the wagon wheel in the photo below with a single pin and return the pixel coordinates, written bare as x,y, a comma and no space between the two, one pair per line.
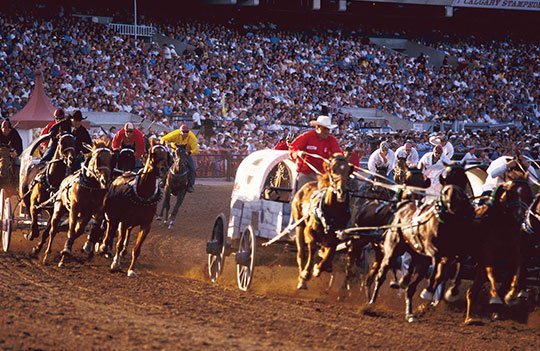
245,259
5,228
215,248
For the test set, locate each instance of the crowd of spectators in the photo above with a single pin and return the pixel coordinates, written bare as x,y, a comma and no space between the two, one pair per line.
247,86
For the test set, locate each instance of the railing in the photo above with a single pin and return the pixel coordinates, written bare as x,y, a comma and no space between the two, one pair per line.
218,165
135,30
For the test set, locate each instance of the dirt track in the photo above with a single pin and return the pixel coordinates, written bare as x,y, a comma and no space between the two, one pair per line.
172,305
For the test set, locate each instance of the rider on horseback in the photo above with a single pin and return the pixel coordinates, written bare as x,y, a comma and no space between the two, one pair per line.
130,137
409,152
382,159
497,170
81,137
184,136
11,138
59,126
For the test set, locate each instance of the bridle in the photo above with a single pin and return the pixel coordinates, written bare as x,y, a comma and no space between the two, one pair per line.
95,172
63,151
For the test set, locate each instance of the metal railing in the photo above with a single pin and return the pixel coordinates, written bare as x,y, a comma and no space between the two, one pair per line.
135,30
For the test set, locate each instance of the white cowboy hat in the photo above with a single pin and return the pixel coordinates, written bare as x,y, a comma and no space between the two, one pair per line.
323,121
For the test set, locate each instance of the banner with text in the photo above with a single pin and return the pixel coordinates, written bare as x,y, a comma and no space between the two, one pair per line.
530,5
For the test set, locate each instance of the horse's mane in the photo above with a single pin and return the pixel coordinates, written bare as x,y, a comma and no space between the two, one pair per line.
100,144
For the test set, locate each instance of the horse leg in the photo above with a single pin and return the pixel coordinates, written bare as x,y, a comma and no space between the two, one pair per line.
411,289
390,244
472,293
494,296
375,266
300,256
122,234
137,249
34,213
72,236
438,265
106,246
126,242
325,265
453,291
59,212
179,201
511,297
166,205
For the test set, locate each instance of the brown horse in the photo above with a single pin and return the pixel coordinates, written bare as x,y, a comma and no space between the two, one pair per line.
400,170
323,207
140,194
42,181
176,183
434,231
81,195
370,212
498,239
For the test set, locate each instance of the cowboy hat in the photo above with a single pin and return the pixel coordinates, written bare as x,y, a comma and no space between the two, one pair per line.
323,121
77,116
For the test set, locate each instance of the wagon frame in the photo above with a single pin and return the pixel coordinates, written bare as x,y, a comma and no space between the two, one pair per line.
260,210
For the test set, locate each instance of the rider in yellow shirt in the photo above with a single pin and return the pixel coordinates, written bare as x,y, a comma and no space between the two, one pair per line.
184,136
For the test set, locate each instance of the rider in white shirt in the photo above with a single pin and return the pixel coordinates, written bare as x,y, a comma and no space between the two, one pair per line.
432,165
448,148
382,157
496,172
469,156
409,152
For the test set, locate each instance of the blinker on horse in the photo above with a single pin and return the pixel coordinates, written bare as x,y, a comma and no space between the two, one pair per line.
323,207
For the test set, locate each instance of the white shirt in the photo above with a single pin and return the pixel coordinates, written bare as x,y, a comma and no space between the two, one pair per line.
433,170
468,156
496,171
412,158
448,150
375,160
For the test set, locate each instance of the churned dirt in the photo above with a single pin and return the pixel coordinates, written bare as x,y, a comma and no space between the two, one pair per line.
172,305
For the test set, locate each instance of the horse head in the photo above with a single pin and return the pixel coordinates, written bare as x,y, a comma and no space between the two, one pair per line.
124,160
337,172
6,162
400,171
100,164
159,158
514,198
66,149
454,174
180,159
455,200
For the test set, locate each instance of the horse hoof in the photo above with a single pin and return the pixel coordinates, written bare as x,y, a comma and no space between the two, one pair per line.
131,274
302,285
495,301
426,295
65,252
61,263
394,285
158,218
29,236
495,316
87,248
449,296
165,222
170,226
411,318
115,265
523,294
34,253
471,321
316,271
510,299
305,275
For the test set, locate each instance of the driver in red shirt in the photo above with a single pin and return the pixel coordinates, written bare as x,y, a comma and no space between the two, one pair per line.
130,137
319,142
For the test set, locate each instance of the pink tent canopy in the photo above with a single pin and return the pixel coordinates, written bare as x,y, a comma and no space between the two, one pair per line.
38,111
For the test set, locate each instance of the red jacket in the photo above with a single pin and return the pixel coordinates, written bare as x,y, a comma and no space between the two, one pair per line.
45,131
282,145
136,141
311,143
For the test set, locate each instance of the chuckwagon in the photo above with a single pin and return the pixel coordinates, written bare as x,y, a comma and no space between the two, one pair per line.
13,215
260,211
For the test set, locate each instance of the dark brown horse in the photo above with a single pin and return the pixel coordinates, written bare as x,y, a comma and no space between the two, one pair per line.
434,231
371,212
123,161
400,170
42,181
176,183
498,239
323,207
140,194
81,195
